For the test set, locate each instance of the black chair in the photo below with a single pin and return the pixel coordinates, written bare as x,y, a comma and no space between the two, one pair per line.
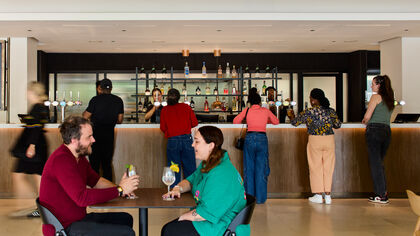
243,217
49,219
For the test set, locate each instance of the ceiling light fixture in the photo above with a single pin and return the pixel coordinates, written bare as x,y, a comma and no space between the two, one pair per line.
203,41
29,30
123,30
219,30
312,30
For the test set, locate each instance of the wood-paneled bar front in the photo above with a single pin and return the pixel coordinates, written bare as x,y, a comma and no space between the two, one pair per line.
145,146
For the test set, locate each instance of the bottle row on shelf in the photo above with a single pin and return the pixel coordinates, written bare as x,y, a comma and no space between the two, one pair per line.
220,74
233,91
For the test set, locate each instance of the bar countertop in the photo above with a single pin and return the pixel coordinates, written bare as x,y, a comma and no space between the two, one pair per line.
229,125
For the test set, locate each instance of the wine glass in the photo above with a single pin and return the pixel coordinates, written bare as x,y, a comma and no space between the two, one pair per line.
168,178
131,171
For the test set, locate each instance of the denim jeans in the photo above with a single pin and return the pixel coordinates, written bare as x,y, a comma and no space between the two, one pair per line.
180,151
378,138
256,167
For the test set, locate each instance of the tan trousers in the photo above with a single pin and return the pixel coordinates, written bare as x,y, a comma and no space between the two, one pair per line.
321,160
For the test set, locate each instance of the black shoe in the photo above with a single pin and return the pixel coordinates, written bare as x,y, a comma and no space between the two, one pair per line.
34,213
379,199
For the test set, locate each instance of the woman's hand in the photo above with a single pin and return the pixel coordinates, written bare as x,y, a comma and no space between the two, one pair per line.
30,152
175,192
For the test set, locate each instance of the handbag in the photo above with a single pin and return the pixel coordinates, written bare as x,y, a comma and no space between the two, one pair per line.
20,147
240,141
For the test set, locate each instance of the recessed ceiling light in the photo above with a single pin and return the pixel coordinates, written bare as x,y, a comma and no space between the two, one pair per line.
333,41
113,41
243,41
312,30
203,41
219,30
406,30
123,30
29,30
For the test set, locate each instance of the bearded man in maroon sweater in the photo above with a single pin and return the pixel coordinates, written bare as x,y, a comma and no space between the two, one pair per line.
64,182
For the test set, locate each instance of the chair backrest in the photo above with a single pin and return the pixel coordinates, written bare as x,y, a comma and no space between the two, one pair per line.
243,217
49,218
414,202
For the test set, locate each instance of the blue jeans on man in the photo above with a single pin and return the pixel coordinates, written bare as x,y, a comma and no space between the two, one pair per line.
256,167
180,151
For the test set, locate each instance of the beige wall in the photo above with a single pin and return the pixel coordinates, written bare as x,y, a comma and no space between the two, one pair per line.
23,68
399,60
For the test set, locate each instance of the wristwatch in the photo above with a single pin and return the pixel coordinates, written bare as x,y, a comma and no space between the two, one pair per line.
120,191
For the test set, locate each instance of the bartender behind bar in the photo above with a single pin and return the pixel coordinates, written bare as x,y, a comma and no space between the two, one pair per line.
105,111
271,93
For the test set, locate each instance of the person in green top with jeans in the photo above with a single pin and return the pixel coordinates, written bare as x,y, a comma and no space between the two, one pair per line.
217,188
378,133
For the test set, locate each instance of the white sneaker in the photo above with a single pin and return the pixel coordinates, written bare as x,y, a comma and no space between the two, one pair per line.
317,198
327,199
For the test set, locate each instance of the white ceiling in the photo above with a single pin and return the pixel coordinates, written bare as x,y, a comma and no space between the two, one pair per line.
244,25
203,36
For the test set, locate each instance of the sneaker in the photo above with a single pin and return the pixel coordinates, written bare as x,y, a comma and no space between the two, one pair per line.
34,213
327,199
379,199
317,198
23,212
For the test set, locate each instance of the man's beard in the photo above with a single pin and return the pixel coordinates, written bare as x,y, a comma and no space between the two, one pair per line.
83,150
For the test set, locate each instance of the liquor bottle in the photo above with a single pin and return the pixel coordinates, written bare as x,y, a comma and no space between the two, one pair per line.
153,73
246,73
206,105
162,89
215,91
147,92
204,70
257,72
186,70
267,72
192,104
169,88
234,73
198,90
234,107
306,105
227,74
164,72
208,89
233,89
225,89
142,73
245,89
216,105
264,87
220,72
223,104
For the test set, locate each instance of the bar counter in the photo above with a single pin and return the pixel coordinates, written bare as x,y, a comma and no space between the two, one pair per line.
145,146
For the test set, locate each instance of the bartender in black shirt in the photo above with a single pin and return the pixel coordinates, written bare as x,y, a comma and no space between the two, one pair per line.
153,110
105,111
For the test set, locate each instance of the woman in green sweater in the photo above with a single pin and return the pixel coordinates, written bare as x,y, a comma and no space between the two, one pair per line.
217,188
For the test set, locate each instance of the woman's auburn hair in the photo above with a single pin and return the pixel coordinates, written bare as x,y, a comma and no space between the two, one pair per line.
385,90
214,135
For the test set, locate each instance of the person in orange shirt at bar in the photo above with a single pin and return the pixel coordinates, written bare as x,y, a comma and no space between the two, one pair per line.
256,167
176,121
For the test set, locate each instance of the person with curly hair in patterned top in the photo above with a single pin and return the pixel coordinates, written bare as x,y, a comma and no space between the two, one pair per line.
320,120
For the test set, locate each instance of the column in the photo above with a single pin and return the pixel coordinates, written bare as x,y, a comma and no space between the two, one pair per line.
23,69
400,61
